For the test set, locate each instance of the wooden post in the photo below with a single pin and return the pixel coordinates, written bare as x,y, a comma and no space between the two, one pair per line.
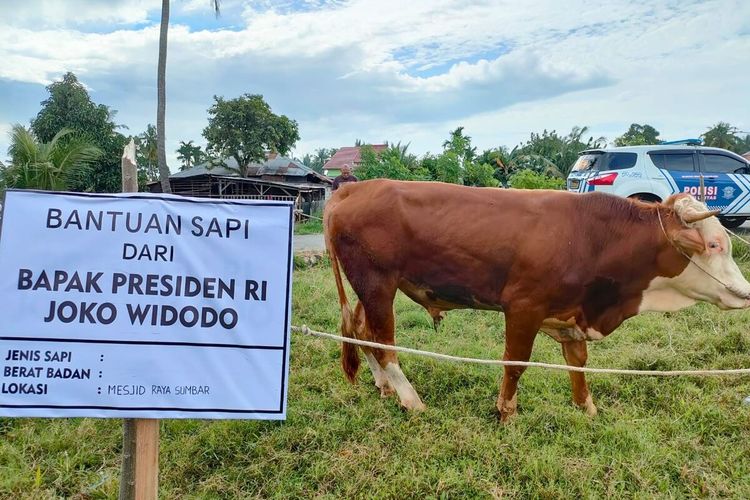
129,169
139,476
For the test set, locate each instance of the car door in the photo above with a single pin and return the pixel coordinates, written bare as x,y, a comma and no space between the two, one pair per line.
727,183
679,168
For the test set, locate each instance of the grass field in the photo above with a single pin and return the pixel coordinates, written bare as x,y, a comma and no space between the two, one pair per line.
661,438
310,226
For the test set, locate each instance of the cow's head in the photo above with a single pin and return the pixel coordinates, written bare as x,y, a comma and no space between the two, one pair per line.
712,276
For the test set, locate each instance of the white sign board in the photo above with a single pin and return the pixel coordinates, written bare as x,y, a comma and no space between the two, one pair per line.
144,306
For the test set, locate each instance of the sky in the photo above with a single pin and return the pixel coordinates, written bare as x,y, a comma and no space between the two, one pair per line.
393,70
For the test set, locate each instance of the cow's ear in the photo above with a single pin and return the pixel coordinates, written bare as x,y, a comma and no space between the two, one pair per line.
689,241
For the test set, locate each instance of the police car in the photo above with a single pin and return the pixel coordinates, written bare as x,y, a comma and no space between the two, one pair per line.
653,173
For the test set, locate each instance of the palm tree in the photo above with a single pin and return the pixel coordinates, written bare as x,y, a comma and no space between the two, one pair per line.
189,154
148,146
400,152
50,165
161,92
722,135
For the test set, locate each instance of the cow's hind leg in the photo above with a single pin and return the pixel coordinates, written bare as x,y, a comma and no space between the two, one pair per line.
380,321
376,289
361,332
377,299
520,332
576,354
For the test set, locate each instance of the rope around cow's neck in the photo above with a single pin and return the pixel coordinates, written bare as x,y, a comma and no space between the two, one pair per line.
535,364
690,260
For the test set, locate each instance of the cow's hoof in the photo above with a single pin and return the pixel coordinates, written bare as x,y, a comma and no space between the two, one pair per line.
589,407
507,409
413,405
386,390
507,415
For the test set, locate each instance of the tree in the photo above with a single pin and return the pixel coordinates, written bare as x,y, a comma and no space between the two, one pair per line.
246,129
319,158
551,153
743,145
161,93
460,144
161,99
147,156
401,153
447,168
480,174
528,179
637,135
503,161
147,151
189,154
389,164
69,106
55,165
722,135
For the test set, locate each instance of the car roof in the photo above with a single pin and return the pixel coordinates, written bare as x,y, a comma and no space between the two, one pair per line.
656,147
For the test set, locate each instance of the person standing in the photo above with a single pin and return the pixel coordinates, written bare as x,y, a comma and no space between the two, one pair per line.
346,176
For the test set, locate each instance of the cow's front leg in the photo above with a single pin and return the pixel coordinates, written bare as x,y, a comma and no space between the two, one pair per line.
520,333
576,354
381,378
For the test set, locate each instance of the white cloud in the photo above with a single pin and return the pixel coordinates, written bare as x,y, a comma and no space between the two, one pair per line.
60,13
408,71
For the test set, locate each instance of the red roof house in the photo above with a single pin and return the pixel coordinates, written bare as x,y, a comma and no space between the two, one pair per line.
349,155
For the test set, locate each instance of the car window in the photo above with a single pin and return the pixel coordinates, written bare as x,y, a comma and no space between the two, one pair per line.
619,161
716,163
679,161
587,162
605,161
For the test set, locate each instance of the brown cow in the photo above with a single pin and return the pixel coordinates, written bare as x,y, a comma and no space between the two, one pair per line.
574,266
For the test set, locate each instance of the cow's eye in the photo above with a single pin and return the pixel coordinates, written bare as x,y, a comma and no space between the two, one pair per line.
714,245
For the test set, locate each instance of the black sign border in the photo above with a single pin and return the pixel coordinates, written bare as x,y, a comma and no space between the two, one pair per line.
283,348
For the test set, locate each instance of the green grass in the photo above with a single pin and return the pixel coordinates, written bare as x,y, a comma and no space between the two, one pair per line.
310,226
663,438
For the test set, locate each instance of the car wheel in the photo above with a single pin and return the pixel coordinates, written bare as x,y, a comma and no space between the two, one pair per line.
732,222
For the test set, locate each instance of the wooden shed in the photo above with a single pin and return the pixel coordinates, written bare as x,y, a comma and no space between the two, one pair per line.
278,178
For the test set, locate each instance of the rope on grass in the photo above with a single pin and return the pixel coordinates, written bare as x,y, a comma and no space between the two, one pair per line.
460,359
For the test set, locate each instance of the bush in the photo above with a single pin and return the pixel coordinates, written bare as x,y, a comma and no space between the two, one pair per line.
480,174
528,179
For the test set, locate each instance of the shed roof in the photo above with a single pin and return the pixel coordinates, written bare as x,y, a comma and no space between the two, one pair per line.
278,165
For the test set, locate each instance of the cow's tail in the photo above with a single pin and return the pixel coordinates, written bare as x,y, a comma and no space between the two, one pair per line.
349,353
